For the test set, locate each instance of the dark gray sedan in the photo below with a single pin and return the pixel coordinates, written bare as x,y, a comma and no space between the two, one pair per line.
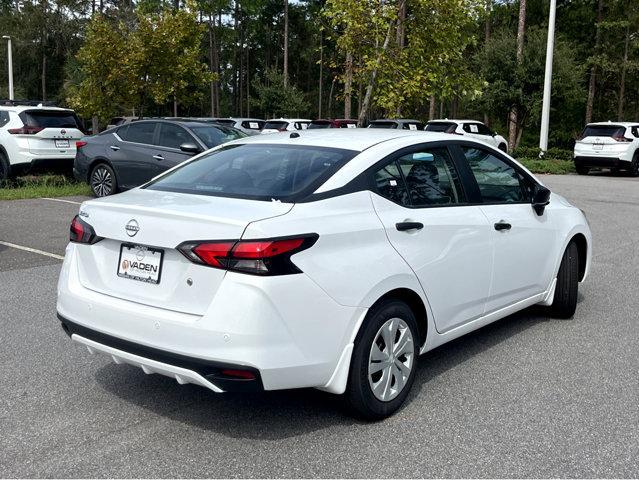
131,154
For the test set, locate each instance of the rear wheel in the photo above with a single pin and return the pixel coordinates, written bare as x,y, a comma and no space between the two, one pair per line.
102,180
582,170
384,360
633,171
5,168
565,300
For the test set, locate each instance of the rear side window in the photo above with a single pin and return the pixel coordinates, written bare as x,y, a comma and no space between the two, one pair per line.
443,127
413,126
301,125
603,131
497,180
256,171
50,119
635,131
172,136
422,179
276,125
138,132
4,118
476,128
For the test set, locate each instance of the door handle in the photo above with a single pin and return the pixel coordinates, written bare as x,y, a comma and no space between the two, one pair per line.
502,225
114,148
405,226
158,157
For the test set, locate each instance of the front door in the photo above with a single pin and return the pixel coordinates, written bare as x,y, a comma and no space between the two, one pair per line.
525,243
421,202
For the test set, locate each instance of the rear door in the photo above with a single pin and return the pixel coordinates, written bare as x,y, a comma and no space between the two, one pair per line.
132,153
524,242
422,203
59,130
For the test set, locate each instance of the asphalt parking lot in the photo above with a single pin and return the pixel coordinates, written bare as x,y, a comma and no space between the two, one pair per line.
527,396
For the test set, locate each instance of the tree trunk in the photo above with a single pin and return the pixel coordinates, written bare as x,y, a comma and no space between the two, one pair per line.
95,125
487,33
371,82
592,84
521,28
285,43
248,84
330,99
175,106
400,38
321,74
44,77
622,83
431,108
217,66
348,85
235,55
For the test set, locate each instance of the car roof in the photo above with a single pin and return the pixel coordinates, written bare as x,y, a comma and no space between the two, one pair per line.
244,119
289,120
357,139
454,120
184,123
405,120
22,108
621,124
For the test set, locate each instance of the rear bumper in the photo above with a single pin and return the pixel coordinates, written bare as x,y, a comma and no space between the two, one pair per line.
609,162
252,323
152,360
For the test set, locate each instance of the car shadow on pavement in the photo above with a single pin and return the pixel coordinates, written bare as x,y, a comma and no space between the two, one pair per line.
288,413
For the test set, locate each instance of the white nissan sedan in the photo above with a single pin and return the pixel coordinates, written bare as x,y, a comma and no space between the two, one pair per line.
328,259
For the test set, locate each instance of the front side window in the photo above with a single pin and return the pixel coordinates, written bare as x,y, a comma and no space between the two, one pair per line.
497,180
422,179
172,136
256,171
138,132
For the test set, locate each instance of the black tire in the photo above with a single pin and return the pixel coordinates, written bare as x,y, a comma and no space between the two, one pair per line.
359,392
102,180
582,170
633,171
503,147
564,302
5,167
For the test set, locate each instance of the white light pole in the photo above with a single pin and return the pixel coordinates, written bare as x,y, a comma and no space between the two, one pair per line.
545,110
10,62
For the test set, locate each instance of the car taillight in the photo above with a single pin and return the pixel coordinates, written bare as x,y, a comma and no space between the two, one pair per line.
258,257
82,232
79,144
26,130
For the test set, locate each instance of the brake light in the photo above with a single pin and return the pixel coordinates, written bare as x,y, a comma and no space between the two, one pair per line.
257,257
82,232
25,130
79,144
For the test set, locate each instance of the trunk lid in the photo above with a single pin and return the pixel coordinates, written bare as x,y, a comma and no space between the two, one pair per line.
161,221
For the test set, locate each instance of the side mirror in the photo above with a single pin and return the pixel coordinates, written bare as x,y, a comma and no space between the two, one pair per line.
541,198
190,148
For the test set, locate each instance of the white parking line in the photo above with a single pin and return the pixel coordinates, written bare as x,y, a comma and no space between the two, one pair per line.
61,200
32,250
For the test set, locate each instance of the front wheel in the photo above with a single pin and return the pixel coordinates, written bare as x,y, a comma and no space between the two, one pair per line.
384,361
102,180
564,302
5,168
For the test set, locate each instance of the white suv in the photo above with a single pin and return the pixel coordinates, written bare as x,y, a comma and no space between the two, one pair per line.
469,128
285,124
34,135
609,145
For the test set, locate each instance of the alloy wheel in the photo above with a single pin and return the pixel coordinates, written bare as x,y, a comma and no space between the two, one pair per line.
101,182
391,359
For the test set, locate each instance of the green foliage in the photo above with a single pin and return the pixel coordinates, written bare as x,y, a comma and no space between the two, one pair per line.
557,167
274,100
41,186
551,154
157,60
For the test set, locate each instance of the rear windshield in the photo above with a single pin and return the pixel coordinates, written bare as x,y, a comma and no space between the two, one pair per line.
50,119
225,121
276,125
258,172
383,125
324,124
212,135
603,131
445,127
